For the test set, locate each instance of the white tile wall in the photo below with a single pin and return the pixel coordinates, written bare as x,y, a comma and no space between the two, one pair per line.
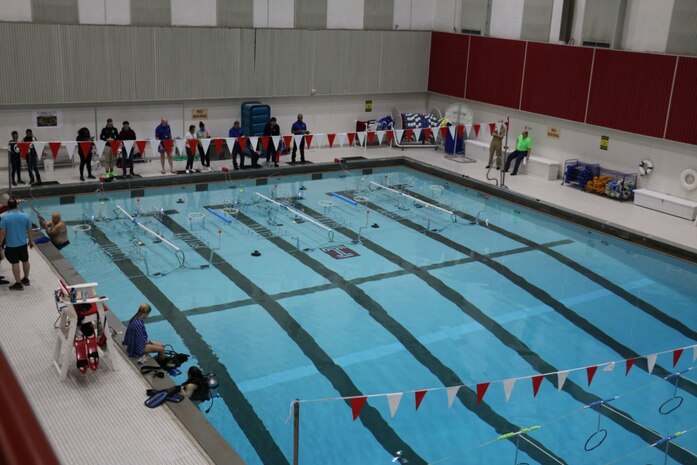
345,14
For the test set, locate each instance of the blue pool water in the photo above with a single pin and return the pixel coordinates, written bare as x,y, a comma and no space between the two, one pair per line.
392,295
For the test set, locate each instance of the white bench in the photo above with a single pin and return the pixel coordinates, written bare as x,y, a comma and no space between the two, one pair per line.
537,166
542,167
665,203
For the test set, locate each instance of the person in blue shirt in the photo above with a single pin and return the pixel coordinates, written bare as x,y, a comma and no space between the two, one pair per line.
136,338
272,129
15,230
236,131
299,127
164,132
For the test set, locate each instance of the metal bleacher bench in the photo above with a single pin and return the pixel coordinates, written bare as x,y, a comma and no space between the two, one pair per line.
537,166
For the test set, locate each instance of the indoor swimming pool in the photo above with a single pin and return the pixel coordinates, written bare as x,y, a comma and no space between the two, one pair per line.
457,328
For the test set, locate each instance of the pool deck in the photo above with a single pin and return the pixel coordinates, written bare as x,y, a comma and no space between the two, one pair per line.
100,418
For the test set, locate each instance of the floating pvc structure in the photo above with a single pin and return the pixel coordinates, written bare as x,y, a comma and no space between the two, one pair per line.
145,228
412,198
344,198
219,215
301,215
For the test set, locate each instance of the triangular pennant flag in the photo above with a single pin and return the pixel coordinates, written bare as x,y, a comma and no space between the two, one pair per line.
85,147
218,144
460,129
205,143
115,146
508,387
590,372
243,143
492,127
320,140
630,363
265,142
452,130
276,140
651,361
561,379
476,129
330,139
343,137
154,145
361,137
167,145
357,403
417,133
100,146
230,142
128,145
308,140
351,136
55,148
677,353
468,130
427,133
193,143
181,145
297,138
39,147
70,147
609,366
443,132
452,392
393,401
23,148
407,134
399,133
141,146
390,135
481,390
380,135
371,137
287,140
253,142
418,397
536,381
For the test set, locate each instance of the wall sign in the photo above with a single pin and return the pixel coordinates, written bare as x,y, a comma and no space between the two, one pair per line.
604,142
553,133
199,113
47,118
368,105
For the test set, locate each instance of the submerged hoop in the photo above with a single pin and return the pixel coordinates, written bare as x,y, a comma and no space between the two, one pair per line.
82,228
326,205
437,190
196,216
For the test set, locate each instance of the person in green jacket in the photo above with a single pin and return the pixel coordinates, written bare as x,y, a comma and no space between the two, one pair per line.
523,148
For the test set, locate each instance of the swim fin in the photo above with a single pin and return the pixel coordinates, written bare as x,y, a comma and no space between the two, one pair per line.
159,397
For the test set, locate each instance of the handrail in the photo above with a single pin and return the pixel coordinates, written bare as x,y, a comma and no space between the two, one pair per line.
148,229
22,440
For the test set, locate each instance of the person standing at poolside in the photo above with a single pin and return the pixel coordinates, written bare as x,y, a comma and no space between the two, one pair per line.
236,131
202,133
299,127
15,159
83,135
191,135
127,134
164,132
523,148
15,230
109,134
496,145
32,159
272,129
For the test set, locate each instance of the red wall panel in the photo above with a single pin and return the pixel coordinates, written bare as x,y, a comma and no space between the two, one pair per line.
682,120
495,71
556,80
448,65
630,91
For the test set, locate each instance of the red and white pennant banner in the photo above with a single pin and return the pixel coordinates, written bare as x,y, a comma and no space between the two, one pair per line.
394,399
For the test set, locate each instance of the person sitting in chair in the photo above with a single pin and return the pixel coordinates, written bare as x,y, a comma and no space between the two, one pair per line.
136,337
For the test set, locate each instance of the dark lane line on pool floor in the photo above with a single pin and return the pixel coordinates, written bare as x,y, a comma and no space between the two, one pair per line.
356,281
632,299
447,376
252,426
544,297
508,339
370,417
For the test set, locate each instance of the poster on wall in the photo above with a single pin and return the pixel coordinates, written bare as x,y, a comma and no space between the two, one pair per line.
47,118
553,133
